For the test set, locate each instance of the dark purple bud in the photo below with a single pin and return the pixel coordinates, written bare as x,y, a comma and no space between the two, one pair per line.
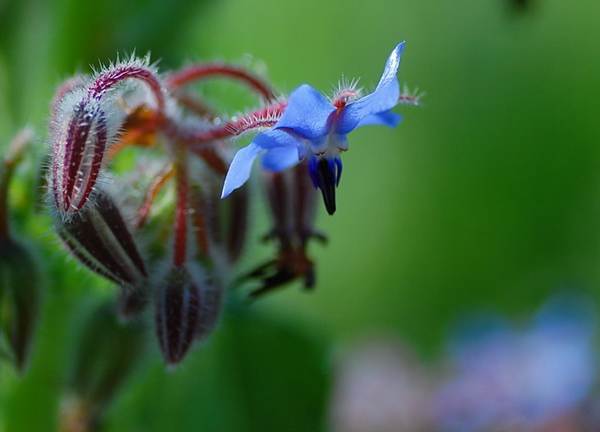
186,309
101,239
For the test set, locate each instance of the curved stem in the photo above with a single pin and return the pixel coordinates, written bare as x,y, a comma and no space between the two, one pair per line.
157,184
181,214
110,78
259,119
208,70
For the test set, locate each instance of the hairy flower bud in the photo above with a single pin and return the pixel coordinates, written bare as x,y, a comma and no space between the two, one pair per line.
79,143
100,238
187,308
86,121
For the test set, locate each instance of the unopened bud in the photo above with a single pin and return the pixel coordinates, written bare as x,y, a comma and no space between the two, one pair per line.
78,151
86,121
187,308
100,238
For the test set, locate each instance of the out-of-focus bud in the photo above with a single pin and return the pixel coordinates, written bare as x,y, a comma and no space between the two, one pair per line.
105,355
188,305
19,279
19,299
100,238
292,199
237,222
131,301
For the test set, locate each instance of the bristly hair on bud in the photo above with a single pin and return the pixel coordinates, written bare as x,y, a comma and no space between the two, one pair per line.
187,308
101,239
79,145
86,121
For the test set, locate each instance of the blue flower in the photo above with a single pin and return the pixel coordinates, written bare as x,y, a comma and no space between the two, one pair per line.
316,127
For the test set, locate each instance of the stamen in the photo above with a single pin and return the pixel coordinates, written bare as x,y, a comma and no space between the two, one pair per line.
325,174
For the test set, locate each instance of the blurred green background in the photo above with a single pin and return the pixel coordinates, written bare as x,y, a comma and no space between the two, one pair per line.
489,196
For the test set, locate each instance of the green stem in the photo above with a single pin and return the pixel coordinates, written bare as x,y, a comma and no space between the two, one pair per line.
5,175
14,155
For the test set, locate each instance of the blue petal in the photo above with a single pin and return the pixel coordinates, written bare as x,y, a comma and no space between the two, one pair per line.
273,138
388,118
391,67
306,113
280,158
240,168
384,98
241,165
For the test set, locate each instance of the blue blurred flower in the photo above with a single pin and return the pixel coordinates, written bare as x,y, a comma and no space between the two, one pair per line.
315,126
507,379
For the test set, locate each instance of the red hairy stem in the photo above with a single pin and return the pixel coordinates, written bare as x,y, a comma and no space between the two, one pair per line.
140,128
155,187
199,222
259,119
212,158
207,70
136,136
113,76
181,214
195,105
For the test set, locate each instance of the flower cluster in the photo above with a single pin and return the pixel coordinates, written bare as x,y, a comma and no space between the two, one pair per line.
153,223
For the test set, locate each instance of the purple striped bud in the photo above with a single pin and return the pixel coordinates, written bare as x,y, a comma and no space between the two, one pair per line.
187,308
100,238
79,146
87,116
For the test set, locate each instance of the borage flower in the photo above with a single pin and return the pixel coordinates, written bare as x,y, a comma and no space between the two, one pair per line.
315,127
